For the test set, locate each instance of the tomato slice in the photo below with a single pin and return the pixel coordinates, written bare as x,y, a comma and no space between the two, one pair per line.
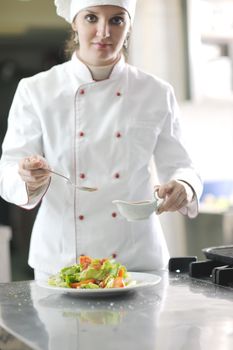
81,283
85,261
121,272
118,283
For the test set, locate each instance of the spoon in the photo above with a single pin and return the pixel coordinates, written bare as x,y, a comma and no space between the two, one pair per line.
81,188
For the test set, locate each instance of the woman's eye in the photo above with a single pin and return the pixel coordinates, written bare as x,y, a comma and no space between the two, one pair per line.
91,18
117,20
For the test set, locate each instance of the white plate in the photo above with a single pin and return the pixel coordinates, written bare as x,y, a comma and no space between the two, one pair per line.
143,280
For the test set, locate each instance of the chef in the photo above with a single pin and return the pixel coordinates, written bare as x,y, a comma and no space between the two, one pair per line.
98,121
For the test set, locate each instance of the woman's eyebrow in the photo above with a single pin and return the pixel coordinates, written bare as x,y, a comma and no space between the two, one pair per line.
96,12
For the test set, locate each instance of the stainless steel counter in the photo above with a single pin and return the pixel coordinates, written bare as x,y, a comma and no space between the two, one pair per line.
178,313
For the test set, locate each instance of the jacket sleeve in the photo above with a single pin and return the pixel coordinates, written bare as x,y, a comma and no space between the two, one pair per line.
172,159
23,138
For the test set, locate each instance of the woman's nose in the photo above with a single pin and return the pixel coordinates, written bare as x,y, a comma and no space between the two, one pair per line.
103,31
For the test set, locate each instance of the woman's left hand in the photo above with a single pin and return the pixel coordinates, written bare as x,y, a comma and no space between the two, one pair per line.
176,194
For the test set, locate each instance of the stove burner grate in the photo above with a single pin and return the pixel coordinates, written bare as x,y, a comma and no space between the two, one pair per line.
218,267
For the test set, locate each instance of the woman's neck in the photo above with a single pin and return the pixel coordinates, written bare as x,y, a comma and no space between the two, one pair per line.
100,72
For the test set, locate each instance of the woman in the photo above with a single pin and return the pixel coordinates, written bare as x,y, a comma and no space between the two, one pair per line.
99,121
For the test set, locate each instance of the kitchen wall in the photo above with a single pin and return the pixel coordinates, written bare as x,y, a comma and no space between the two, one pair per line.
19,16
158,43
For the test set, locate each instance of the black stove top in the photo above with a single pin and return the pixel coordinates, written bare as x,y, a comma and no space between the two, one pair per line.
218,267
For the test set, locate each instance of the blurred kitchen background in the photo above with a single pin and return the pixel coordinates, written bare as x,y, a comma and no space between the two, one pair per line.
186,42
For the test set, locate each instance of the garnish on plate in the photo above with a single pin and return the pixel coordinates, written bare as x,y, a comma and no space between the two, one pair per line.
92,273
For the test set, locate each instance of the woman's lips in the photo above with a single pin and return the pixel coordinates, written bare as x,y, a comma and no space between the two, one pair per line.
101,45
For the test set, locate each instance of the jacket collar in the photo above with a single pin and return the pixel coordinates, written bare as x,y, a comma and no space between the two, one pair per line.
82,72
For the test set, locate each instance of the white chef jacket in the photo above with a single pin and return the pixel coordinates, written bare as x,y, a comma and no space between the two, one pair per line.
100,134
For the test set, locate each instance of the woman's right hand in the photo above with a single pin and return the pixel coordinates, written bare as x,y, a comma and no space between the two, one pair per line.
33,172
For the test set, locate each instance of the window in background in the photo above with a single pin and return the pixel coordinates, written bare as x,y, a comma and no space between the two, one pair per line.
208,116
210,37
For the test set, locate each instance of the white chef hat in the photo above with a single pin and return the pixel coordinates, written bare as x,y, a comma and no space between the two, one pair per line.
69,8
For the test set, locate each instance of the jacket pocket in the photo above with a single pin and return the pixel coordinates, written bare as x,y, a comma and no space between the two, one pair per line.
143,138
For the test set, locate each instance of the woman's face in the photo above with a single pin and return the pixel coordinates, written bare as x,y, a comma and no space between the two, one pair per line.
101,32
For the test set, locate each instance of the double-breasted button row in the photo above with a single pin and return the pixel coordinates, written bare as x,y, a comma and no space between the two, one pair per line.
82,92
114,255
116,175
83,176
118,134
82,217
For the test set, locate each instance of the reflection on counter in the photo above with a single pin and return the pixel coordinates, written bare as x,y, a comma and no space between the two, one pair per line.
89,320
97,317
178,313
9,342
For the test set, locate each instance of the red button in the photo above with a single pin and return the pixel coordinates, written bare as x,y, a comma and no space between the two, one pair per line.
82,176
117,176
82,92
81,134
118,134
114,215
81,217
118,93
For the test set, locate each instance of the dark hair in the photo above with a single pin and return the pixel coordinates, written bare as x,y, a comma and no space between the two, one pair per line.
70,45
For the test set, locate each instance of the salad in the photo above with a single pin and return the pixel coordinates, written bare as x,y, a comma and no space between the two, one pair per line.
92,273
